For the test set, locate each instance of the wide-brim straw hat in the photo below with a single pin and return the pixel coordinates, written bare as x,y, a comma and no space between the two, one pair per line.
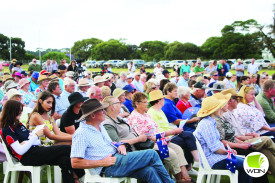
232,91
90,106
23,82
42,78
7,77
240,60
212,104
83,82
107,76
220,96
53,77
13,92
98,79
118,92
155,95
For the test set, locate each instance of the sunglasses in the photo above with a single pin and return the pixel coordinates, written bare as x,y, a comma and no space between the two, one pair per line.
199,63
154,88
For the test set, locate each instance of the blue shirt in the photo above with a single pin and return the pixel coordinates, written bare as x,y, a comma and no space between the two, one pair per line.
138,85
33,85
128,104
171,111
91,144
209,138
182,82
225,68
61,104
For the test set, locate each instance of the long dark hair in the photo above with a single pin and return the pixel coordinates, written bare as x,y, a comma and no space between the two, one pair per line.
43,96
11,110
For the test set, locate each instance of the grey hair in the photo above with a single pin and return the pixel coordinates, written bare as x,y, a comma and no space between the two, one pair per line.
68,81
182,91
123,73
92,90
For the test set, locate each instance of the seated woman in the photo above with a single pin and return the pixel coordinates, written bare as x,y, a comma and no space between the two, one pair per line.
128,100
117,128
251,116
209,137
172,113
43,82
120,95
185,140
40,115
242,144
24,145
28,97
184,94
142,123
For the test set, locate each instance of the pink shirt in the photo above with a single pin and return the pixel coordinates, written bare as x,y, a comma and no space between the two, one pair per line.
143,124
182,106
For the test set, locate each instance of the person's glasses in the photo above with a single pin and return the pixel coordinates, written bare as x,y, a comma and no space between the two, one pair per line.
235,99
153,88
117,103
199,63
216,75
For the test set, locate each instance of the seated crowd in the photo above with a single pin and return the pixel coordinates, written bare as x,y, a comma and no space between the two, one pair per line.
109,124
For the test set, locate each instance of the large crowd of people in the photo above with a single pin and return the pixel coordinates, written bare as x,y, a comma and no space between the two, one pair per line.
108,122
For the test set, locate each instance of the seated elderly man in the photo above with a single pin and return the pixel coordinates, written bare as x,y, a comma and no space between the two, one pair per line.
93,149
265,100
95,92
122,80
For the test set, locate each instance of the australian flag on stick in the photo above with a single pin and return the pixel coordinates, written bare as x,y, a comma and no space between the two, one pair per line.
162,145
231,161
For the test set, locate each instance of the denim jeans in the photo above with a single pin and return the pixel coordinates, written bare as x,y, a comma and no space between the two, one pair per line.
243,176
144,165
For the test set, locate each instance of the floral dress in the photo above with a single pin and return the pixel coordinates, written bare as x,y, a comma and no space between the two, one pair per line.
45,141
37,91
250,119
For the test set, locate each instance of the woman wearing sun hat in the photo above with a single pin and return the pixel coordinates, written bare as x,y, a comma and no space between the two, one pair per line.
28,98
43,82
209,137
121,95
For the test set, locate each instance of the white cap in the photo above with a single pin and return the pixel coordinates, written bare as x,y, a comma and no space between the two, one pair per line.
130,76
229,75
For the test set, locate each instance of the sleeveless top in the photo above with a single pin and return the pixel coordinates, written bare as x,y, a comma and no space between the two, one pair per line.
45,141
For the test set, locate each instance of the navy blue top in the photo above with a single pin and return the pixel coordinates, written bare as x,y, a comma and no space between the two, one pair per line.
225,70
171,111
128,104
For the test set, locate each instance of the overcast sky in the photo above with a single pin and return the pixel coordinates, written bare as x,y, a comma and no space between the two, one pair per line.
59,23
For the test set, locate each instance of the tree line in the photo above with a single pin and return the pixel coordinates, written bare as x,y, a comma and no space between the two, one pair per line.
241,39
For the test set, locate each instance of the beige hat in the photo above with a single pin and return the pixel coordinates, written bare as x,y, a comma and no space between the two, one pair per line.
42,78
7,77
232,91
23,81
70,73
12,92
155,95
107,76
174,74
13,61
212,104
239,60
53,77
83,82
118,91
98,79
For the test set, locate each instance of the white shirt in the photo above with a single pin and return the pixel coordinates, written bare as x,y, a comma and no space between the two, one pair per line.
158,71
120,83
131,68
252,68
138,85
229,84
173,80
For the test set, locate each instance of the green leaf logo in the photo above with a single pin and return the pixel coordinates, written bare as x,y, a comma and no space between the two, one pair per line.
254,161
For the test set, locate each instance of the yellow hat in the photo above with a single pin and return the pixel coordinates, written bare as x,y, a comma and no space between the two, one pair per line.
220,96
244,89
211,105
117,92
232,91
42,78
155,95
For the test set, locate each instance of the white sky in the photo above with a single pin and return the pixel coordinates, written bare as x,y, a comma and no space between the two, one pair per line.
59,23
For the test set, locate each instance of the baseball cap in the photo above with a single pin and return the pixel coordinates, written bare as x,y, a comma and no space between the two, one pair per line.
229,75
35,75
165,71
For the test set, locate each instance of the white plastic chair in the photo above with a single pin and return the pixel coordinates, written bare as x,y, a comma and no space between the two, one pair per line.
206,169
57,174
14,167
98,179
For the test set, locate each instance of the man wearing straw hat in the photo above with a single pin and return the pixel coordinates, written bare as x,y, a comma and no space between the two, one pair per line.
92,148
209,137
12,64
83,85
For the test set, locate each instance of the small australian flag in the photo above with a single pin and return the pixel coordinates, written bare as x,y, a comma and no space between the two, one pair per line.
162,145
231,161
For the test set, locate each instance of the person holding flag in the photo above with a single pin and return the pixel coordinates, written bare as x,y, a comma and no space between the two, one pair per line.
209,137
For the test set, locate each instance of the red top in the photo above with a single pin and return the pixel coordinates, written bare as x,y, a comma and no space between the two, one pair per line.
182,106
